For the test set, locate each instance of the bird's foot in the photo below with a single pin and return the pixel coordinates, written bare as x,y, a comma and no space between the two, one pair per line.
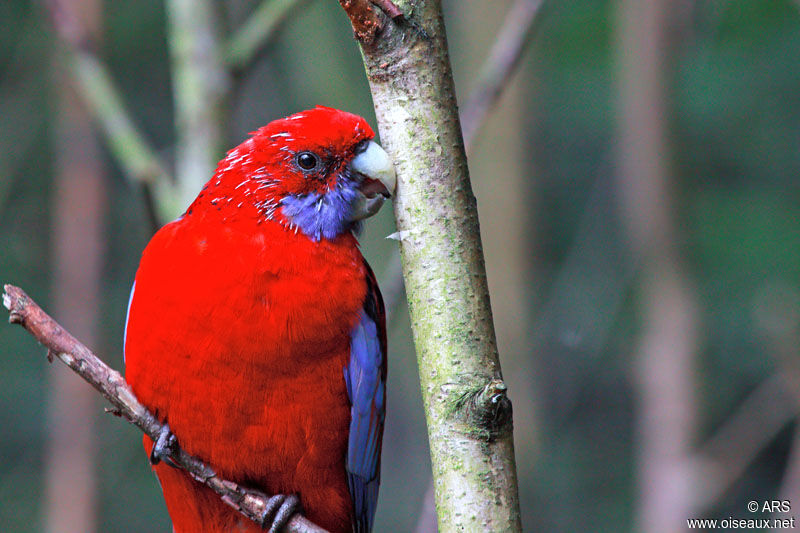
280,509
163,447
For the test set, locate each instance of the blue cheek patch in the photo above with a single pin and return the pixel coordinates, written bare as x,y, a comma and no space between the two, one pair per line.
323,215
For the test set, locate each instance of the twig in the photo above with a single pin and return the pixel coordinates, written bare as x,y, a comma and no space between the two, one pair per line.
59,343
136,157
243,47
732,448
499,66
778,319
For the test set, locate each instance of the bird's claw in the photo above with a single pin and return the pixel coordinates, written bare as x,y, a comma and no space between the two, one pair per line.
163,447
280,509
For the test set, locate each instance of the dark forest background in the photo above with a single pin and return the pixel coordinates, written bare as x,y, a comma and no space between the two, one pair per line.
583,288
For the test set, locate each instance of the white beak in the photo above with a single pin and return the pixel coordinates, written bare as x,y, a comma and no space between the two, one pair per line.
379,180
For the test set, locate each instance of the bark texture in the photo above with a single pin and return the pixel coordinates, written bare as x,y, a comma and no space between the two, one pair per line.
467,408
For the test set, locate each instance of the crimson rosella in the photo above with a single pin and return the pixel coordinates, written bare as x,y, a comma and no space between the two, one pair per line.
256,330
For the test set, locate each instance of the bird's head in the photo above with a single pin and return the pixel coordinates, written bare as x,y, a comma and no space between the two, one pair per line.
317,171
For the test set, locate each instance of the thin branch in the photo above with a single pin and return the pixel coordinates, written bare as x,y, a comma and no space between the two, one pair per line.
778,319
137,158
790,485
201,85
499,66
129,147
732,448
665,358
110,383
765,412
244,46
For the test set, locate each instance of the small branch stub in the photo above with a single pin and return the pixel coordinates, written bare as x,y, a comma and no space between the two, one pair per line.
110,383
388,7
485,412
365,20
491,407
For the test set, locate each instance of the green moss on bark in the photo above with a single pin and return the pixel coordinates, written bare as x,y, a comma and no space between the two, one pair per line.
467,409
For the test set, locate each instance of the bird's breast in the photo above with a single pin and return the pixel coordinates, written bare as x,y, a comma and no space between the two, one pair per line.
239,339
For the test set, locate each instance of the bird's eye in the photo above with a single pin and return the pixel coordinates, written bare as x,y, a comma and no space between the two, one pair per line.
361,147
307,160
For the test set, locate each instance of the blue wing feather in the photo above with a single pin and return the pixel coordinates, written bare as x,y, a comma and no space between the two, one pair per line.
365,378
127,316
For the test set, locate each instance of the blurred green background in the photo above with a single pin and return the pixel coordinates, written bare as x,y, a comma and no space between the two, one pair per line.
570,288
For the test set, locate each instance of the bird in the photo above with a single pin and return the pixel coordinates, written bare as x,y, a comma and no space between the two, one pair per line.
256,330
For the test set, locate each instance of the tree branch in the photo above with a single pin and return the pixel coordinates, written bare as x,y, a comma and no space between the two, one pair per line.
725,456
665,358
110,383
243,47
499,66
137,158
495,74
201,85
466,402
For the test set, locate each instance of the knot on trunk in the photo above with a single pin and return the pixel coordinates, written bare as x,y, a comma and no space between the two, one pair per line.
486,411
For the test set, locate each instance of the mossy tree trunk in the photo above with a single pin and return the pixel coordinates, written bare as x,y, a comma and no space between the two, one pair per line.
467,408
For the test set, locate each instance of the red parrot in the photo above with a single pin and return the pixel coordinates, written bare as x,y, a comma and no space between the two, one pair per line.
256,329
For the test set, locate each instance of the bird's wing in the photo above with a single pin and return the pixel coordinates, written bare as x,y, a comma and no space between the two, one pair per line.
365,376
127,317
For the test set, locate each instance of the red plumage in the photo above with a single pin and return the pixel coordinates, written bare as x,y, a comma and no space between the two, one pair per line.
240,327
